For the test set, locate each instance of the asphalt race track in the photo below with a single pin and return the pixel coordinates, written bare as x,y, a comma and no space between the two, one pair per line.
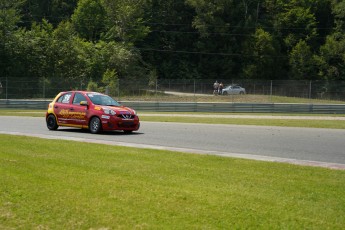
306,146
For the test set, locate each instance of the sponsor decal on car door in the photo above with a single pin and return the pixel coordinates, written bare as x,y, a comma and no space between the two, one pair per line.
61,108
68,113
77,112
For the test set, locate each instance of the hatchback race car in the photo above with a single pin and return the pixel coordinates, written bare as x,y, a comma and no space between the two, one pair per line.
90,110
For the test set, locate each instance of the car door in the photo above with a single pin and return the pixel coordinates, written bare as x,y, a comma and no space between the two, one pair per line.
231,90
236,89
62,107
78,113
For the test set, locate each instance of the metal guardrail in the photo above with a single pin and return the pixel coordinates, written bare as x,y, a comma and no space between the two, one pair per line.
23,104
199,107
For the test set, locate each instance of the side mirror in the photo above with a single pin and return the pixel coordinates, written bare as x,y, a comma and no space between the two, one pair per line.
84,103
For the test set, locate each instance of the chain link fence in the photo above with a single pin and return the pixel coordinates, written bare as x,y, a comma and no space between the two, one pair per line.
258,91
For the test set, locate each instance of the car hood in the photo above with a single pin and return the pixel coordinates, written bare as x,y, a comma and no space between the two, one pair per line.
120,109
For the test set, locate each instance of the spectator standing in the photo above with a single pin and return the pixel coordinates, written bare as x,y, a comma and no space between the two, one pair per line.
215,88
220,88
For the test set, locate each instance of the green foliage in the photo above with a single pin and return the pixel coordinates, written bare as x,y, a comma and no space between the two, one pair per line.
89,19
92,86
261,50
54,11
9,18
65,43
71,60
302,62
332,53
153,79
110,80
301,23
126,21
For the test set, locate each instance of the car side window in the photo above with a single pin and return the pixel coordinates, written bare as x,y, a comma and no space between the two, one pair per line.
78,97
65,99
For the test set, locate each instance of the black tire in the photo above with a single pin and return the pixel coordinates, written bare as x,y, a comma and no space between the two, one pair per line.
51,122
128,131
241,92
225,93
95,125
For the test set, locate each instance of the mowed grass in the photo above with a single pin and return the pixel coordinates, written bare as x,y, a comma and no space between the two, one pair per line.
56,184
331,124
22,113
147,116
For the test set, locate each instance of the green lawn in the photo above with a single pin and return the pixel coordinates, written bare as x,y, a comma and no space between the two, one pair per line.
247,98
337,124
50,184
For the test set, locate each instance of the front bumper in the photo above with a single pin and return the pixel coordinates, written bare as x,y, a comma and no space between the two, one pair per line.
116,123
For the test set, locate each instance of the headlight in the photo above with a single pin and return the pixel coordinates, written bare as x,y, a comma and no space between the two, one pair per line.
135,112
109,111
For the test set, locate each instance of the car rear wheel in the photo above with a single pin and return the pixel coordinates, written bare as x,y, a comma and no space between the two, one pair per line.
51,122
225,93
241,92
95,125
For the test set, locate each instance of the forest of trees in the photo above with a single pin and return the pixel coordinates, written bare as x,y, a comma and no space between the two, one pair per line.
97,42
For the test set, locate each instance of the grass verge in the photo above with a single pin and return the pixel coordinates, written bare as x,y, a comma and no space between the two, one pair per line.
247,98
335,124
24,113
50,184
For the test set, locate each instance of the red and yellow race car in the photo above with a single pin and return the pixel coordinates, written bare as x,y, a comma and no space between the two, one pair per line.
90,110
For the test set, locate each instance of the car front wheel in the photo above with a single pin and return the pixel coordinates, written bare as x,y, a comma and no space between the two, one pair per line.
95,125
51,122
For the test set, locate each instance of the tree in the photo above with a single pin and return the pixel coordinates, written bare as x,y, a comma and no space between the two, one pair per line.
262,61
169,46
72,60
9,18
332,53
54,11
110,80
36,56
89,19
127,62
302,62
224,28
125,21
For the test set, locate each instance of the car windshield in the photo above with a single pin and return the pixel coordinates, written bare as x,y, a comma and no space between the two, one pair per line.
101,99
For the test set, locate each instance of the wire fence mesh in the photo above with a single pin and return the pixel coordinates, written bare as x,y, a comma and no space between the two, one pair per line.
258,91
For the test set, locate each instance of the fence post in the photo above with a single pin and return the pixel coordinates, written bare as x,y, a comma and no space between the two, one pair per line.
44,87
310,89
118,88
156,90
194,87
232,96
6,88
271,91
